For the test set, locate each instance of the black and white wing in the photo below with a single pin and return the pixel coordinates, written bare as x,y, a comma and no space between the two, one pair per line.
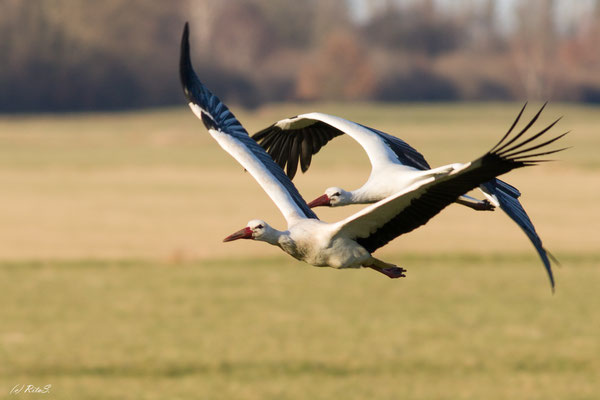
406,154
295,140
233,138
379,223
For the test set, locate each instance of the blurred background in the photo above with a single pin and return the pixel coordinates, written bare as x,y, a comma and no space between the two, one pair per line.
64,55
114,282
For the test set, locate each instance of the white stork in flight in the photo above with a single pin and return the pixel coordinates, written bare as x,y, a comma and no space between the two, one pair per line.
395,166
348,243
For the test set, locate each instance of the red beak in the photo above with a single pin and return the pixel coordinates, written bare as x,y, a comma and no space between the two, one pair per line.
245,233
319,201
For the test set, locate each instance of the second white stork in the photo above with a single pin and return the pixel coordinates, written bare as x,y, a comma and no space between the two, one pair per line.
348,243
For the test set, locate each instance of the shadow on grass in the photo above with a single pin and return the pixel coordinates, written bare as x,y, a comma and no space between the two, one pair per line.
266,368
282,368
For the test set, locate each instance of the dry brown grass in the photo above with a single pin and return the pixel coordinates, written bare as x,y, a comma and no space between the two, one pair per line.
155,185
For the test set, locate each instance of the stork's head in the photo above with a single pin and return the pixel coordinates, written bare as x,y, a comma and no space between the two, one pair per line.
256,229
333,197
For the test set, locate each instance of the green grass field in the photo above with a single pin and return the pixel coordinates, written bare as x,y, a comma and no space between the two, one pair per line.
114,283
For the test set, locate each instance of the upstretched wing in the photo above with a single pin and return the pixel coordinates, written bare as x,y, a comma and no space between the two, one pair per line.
233,138
376,225
293,141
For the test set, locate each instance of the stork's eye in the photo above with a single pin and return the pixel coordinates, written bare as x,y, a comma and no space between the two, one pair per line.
259,227
336,194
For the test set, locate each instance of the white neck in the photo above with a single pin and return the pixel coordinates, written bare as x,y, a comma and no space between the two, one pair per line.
360,196
274,237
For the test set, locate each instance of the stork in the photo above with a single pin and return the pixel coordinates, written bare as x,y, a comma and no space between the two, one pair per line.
348,243
395,166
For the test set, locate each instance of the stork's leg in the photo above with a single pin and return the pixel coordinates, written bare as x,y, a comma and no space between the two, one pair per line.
390,270
475,204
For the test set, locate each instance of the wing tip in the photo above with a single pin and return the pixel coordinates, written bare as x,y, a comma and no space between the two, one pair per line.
548,266
186,71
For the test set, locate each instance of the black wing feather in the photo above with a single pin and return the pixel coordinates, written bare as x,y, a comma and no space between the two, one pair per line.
306,152
296,145
281,152
292,165
269,141
317,140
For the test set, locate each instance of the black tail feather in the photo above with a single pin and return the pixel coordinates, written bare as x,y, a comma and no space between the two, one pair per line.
518,152
539,154
540,133
511,154
518,135
511,127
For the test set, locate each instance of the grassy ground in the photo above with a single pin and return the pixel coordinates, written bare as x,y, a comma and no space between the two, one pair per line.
115,284
458,327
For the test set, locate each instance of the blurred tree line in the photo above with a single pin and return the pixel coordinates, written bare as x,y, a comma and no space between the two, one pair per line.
62,55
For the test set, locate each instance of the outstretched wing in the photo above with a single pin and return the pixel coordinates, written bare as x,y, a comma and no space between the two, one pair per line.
295,140
376,225
233,138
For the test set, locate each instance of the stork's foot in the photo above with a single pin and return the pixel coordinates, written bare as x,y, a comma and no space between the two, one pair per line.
475,204
484,205
390,272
